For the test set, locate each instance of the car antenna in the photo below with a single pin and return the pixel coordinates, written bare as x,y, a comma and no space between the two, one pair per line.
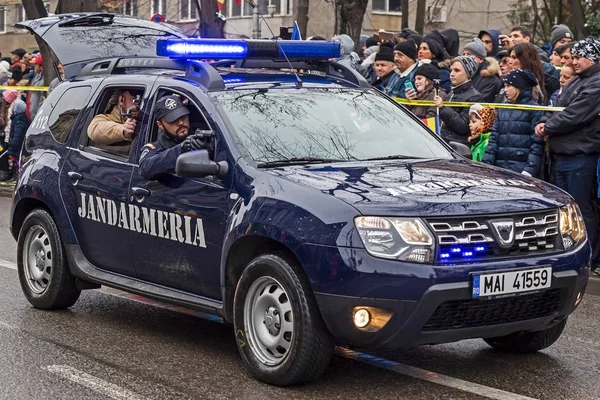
298,80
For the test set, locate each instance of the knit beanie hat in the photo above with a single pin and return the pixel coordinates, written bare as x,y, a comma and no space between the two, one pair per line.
428,71
408,48
560,32
587,48
372,41
468,63
486,115
417,38
521,79
406,32
476,48
385,54
436,49
10,95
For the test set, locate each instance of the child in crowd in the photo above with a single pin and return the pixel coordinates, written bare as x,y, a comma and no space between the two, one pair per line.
481,121
424,89
513,144
19,123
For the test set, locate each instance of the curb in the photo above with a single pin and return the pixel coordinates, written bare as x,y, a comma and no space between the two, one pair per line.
593,286
7,191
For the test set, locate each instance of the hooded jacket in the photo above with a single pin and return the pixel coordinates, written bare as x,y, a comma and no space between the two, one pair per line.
487,81
495,35
513,144
574,131
18,126
455,121
451,41
348,57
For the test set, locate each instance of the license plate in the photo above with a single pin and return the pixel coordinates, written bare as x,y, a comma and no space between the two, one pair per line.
485,285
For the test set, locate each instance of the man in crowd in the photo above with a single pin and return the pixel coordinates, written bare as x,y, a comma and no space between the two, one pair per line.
486,79
35,98
490,39
16,59
573,134
561,35
384,67
405,58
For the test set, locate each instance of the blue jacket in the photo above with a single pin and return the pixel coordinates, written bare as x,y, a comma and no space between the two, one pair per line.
18,127
395,86
159,158
513,144
495,35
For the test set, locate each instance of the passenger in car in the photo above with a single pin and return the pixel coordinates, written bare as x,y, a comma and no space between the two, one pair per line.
114,130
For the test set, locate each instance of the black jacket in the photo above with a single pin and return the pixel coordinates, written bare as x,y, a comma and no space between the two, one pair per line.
576,129
381,83
513,144
486,80
455,121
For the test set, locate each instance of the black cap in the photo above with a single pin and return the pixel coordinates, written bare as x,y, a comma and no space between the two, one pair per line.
170,108
15,73
385,54
20,52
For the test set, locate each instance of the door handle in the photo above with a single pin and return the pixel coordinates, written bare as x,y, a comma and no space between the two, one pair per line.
139,194
75,177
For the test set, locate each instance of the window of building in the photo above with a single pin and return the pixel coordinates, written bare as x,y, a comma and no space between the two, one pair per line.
158,7
65,113
236,9
188,10
130,7
2,19
387,5
20,13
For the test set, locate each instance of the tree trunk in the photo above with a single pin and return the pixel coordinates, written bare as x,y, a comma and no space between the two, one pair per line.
535,20
577,18
35,9
211,26
420,21
404,9
71,6
302,16
352,13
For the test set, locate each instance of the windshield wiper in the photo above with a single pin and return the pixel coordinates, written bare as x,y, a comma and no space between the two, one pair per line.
298,161
394,157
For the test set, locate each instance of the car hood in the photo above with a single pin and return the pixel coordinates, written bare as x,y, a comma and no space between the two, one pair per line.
426,187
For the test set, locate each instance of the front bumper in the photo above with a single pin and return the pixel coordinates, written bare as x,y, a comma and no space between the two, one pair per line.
435,305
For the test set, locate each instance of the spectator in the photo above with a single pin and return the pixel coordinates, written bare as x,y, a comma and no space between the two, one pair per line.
505,61
481,121
521,35
432,51
525,56
561,35
368,62
451,41
348,57
572,134
384,67
16,57
18,125
566,76
486,79
405,58
513,144
4,67
418,39
56,81
490,39
405,34
564,52
15,75
555,59
35,98
425,76
455,122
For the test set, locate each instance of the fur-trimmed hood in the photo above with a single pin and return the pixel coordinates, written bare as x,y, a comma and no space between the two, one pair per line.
492,68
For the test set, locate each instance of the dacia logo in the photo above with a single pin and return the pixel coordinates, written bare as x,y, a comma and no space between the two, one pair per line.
170,104
504,231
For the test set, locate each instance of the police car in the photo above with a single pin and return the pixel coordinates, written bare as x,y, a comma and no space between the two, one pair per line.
326,213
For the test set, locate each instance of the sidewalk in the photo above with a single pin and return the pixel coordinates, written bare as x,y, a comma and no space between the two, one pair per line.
7,188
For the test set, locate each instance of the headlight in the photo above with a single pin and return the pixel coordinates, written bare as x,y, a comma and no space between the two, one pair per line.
572,227
405,239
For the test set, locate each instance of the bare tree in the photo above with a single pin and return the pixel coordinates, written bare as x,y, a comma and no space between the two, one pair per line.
211,26
351,14
302,16
420,21
70,6
35,9
577,18
404,8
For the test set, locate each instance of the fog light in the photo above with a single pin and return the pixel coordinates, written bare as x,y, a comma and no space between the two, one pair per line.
361,318
579,298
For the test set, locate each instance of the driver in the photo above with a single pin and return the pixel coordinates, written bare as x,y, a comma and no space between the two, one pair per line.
172,118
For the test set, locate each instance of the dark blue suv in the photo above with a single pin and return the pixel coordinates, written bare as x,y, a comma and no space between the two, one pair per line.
324,212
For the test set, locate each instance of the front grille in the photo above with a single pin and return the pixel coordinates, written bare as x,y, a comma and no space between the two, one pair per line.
458,314
481,238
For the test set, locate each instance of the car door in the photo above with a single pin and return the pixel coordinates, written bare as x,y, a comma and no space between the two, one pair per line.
183,221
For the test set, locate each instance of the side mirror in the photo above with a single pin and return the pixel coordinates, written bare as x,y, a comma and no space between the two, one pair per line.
197,164
461,149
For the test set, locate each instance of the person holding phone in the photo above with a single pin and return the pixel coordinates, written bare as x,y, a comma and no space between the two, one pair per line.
405,58
424,88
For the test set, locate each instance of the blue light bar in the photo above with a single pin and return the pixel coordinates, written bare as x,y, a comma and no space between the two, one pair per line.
456,250
444,255
480,248
219,49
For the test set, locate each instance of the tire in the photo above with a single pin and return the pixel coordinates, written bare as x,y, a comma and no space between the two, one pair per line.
43,269
286,342
527,342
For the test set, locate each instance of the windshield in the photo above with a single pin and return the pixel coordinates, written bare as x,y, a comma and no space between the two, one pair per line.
334,124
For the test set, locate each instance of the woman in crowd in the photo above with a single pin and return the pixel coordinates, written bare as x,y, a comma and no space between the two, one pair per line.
526,56
430,51
425,75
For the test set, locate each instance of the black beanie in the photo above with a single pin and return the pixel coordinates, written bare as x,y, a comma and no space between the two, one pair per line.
417,38
408,48
372,41
428,71
385,54
436,49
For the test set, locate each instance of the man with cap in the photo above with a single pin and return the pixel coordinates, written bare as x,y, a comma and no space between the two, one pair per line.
561,34
572,135
384,67
172,118
16,57
113,131
486,79
405,58
15,75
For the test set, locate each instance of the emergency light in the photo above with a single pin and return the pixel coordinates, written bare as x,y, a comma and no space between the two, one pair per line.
216,49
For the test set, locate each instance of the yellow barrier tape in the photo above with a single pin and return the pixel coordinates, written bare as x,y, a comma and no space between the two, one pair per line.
407,102
26,88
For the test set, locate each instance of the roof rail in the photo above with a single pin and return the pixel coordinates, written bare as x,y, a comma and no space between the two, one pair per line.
202,73
331,69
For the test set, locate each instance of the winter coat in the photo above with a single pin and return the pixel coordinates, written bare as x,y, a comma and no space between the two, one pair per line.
575,130
495,35
395,86
423,112
478,149
347,58
19,123
381,83
486,80
35,98
513,144
552,79
455,121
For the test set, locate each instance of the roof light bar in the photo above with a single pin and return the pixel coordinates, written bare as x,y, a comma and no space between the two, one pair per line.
216,49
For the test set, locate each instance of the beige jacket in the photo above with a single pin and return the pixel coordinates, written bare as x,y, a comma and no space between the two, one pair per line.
106,130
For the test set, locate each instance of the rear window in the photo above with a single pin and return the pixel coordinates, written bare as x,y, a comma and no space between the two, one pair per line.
65,113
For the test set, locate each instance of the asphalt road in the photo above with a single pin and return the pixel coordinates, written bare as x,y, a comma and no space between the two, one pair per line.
111,347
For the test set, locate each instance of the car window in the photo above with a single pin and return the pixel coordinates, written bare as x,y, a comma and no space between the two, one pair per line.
65,113
327,123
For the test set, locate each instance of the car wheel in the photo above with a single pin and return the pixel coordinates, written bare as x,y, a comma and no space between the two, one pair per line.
280,334
528,342
43,269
